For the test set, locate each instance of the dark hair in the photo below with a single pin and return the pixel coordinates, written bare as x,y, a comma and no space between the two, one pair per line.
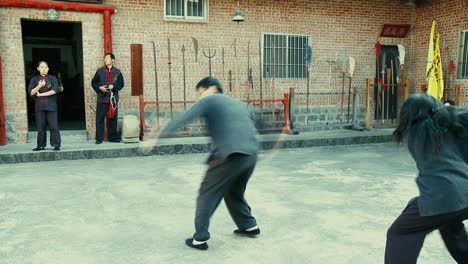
42,61
209,81
111,55
450,102
424,118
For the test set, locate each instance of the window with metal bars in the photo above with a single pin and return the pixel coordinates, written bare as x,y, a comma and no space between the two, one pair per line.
463,56
284,56
186,9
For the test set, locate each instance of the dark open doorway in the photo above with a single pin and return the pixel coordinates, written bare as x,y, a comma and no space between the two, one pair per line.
387,71
60,44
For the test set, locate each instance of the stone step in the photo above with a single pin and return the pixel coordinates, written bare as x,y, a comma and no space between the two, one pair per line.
65,135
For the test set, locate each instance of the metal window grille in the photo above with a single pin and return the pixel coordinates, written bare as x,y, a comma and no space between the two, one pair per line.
186,9
463,56
284,56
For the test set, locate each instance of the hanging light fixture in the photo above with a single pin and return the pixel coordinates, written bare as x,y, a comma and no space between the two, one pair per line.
238,16
411,3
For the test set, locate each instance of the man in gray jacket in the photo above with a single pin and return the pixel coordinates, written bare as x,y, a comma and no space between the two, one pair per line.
231,127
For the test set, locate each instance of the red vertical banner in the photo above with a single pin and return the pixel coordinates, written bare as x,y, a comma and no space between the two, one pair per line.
2,110
107,31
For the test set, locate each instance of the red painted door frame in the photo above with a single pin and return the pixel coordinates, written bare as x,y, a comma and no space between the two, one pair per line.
106,11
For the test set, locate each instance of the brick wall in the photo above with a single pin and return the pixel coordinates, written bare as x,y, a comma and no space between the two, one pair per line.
451,17
336,27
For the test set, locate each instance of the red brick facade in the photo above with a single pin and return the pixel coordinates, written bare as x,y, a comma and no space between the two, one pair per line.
335,27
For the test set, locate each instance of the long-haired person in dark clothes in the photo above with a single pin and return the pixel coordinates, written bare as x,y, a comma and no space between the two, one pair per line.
437,139
44,88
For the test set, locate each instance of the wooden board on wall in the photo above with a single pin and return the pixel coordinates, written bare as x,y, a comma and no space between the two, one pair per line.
136,51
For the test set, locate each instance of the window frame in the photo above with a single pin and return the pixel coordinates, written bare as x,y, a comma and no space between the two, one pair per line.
288,75
185,17
462,67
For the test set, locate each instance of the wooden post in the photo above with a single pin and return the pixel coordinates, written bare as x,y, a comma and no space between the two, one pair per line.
292,102
406,89
367,123
457,95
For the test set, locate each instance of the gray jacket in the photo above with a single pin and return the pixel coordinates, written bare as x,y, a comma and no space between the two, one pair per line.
442,179
231,125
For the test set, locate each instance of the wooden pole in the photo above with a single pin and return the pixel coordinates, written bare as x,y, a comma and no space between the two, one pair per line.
367,123
406,89
457,95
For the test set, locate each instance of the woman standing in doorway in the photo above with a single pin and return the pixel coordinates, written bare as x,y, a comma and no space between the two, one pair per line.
44,88
437,139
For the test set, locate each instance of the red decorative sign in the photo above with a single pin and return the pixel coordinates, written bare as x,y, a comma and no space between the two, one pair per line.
394,31
83,1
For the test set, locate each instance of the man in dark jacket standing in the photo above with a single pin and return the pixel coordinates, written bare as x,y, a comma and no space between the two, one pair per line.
107,83
231,127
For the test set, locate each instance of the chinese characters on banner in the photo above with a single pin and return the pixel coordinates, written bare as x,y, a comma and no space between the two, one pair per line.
394,31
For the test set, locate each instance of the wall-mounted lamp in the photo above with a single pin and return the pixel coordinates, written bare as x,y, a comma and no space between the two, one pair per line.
238,16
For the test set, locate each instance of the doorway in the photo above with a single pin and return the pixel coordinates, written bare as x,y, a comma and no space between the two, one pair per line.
387,71
60,45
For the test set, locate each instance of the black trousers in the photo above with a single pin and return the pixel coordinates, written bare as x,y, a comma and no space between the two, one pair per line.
226,179
44,119
406,235
101,112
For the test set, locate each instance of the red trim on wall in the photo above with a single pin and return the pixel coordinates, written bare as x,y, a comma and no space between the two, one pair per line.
58,5
107,11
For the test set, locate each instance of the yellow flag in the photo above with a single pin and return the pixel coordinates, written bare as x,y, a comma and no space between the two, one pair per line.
434,73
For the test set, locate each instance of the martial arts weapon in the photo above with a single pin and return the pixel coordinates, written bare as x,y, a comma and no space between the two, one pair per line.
260,70
351,65
344,62
308,60
391,81
170,74
183,69
383,90
388,97
249,72
195,48
273,85
156,83
377,72
209,56
222,55
236,69
230,80
330,62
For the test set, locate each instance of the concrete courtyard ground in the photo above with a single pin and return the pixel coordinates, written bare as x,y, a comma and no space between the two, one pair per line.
329,205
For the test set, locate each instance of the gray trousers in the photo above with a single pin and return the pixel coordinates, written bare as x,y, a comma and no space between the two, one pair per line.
405,237
226,179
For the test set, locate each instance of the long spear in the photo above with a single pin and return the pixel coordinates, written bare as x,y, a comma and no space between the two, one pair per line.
183,69
169,63
260,71
156,79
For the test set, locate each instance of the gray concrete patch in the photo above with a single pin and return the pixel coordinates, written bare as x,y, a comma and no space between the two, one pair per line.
316,205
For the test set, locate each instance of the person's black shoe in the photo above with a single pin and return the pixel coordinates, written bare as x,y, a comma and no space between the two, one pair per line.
38,149
98,141
114,140
56,148
245,233
189,242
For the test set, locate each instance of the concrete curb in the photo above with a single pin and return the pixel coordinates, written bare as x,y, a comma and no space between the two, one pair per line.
196,145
